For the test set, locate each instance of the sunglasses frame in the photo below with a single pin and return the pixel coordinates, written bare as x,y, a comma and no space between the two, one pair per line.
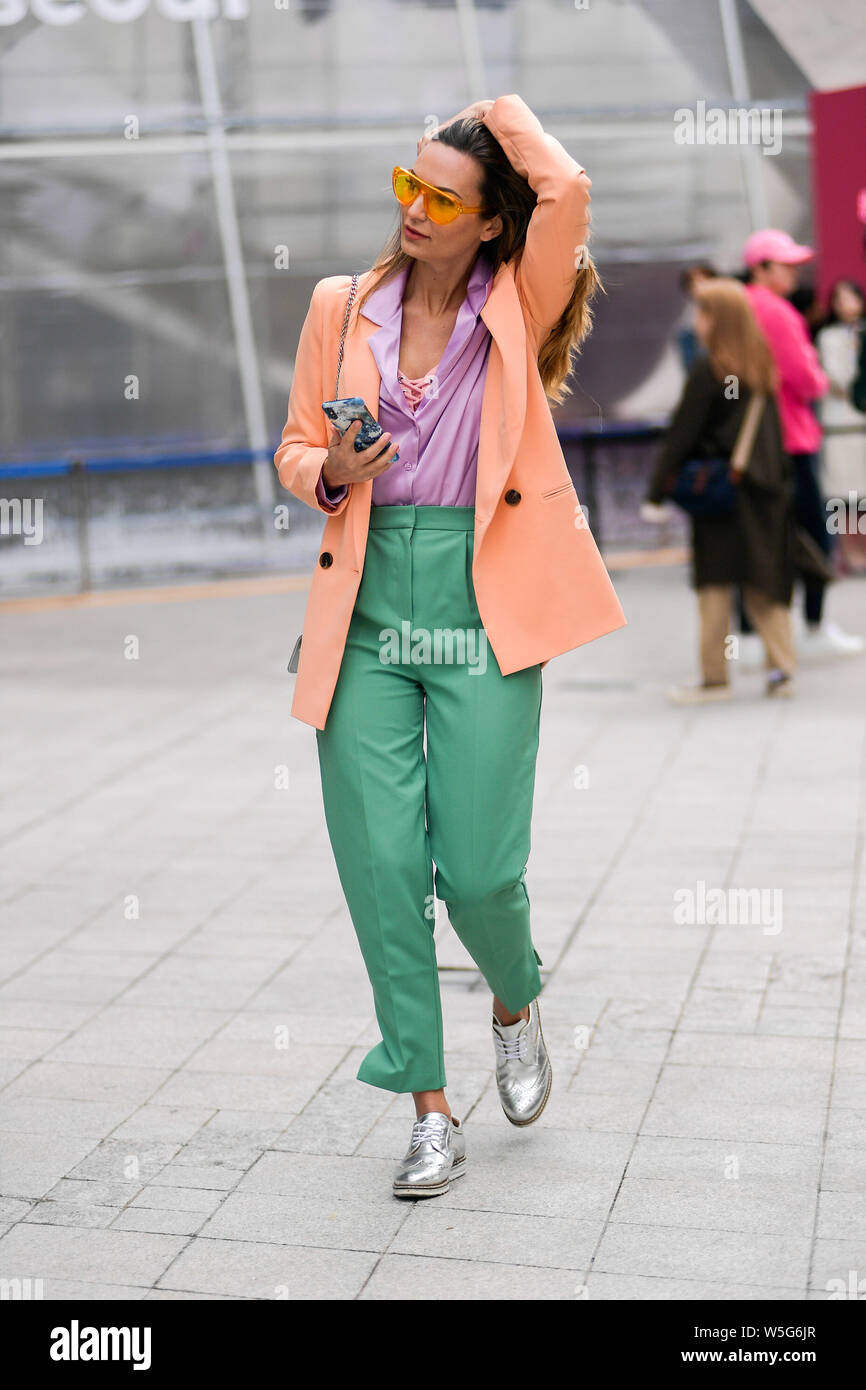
426,189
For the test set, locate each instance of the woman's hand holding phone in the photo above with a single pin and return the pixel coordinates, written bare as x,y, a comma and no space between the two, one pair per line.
344,465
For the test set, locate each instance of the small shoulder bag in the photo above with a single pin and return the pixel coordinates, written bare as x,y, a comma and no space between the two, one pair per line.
708,487
296,650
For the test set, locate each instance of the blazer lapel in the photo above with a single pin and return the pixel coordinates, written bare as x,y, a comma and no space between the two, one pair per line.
503,406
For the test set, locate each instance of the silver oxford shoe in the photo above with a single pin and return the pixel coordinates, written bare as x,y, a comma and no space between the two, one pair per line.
523,1071
437,1153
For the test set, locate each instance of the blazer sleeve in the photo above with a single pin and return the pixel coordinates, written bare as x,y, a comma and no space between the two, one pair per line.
559,226
303,446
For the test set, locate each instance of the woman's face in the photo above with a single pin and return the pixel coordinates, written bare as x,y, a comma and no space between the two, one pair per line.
847,304
454,172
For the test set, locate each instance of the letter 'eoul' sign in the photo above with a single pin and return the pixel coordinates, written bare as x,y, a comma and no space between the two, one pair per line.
120,11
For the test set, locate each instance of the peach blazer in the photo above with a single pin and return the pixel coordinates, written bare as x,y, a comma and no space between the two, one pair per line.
541,585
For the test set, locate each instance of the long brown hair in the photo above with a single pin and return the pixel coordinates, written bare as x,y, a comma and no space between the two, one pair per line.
505,192
735,344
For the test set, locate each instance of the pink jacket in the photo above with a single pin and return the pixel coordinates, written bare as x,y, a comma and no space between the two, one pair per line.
541,585
801,379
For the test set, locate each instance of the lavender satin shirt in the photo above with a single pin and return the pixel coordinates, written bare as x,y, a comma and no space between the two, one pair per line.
438,440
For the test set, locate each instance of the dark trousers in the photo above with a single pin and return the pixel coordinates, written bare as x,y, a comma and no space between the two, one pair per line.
812,516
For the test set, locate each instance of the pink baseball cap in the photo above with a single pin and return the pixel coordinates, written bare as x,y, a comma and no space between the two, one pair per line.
773,245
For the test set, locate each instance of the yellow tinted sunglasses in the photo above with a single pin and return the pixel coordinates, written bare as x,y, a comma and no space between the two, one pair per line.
440,207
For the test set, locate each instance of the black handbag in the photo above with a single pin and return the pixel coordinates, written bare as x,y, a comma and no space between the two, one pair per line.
296,650
708,487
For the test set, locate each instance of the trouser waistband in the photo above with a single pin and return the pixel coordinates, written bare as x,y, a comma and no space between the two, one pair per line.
424,518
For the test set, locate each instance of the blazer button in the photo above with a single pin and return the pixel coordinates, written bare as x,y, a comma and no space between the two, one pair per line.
512,497
326,559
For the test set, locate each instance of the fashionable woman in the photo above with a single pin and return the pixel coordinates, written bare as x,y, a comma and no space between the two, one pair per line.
843,462
459,526
753,545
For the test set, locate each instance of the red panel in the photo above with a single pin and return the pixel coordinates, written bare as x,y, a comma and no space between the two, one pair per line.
839,185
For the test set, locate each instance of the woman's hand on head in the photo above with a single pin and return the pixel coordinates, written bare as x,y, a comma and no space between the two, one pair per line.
344,465
478,108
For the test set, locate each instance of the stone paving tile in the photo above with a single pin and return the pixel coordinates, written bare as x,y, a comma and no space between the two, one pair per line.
336,1222
798,1021
844,1168
237,1091
312,1029
84,1081
631,1288
415,1277
838,1267
167,1123
50,1115
745,1085
497,1236
263,1057
728,1257
709,1160
10,1068
215,1268
162,1197
210,1177
575,1109
751,1050
133,1161
28,1043
842,1215
84,1193
733,1120
157,1221
141,1036
177,1296
92,1292
846,1126
14,1208
69,1214
29,1167
504,1188
762,1205
71,1252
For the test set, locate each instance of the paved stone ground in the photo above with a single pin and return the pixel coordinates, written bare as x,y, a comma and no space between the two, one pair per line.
170,914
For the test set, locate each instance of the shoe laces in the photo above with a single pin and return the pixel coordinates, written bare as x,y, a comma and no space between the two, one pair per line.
426,1129
507,1048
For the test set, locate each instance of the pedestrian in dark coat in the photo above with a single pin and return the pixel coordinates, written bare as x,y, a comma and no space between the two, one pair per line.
755,544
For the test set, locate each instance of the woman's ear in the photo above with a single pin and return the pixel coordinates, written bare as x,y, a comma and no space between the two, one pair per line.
492,229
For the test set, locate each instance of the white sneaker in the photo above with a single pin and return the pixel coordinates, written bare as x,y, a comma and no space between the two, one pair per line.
829,640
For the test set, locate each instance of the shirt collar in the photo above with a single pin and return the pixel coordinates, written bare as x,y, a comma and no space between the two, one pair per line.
387,299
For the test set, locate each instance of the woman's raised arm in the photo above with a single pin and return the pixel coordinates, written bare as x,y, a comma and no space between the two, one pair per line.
559,227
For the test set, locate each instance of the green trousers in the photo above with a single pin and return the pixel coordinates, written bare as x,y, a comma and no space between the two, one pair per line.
416,648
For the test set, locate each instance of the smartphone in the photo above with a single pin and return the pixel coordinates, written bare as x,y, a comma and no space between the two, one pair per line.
342,412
